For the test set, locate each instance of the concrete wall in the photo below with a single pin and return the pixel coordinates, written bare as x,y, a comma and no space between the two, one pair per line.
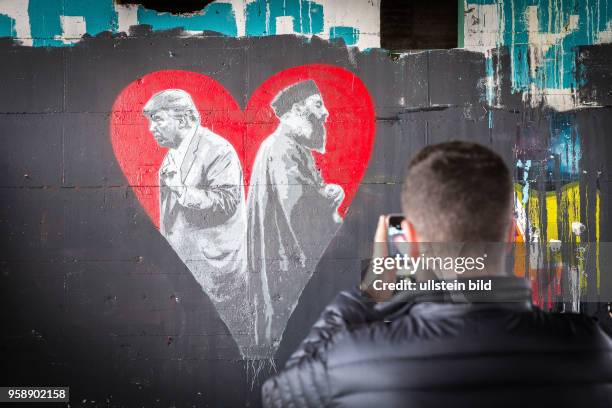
94,296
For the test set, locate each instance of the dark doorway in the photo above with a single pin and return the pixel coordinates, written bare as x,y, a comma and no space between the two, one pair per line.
412,25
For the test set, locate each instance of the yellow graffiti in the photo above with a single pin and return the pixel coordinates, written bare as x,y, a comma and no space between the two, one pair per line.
562,209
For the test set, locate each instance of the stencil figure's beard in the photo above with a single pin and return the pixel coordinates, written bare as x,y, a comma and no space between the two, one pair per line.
309,131
318,138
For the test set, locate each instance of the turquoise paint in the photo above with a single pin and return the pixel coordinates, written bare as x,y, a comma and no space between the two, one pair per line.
218,17
7,26
521,77
45,22
349,34
261,16
517,39
460,24
565,144
558,67
99,15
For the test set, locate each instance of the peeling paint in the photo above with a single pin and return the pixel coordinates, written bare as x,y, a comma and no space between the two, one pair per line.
541,37
64,22
217,17
15,21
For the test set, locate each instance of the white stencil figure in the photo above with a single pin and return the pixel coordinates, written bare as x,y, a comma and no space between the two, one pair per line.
291,211
202,206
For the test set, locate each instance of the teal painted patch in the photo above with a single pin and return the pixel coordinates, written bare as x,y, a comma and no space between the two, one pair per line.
261,16
521,77
349,34
557,67
45,19
565,145
99,15
218,17
7,26
45,22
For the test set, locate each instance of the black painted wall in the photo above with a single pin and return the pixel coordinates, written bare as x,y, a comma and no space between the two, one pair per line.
93,297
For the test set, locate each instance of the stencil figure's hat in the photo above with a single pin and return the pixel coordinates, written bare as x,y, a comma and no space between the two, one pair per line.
295,93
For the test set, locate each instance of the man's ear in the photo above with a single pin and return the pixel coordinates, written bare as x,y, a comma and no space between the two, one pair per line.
410,236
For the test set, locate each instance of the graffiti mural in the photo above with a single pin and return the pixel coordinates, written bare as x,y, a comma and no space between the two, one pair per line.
183,194
543,66
201,194
285,243
188,151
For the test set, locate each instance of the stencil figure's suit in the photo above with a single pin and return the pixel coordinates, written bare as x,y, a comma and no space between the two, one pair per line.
204,222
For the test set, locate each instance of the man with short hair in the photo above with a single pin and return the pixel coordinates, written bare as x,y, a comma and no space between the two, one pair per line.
292,212
448,347
202,205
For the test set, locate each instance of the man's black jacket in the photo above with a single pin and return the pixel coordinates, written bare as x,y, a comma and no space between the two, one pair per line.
437,352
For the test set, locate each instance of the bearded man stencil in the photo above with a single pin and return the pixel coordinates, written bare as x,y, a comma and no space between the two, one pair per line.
292,212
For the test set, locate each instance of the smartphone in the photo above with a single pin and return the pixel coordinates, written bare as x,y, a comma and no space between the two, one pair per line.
397,245
395,234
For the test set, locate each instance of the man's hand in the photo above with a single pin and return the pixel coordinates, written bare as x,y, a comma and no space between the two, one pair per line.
379,251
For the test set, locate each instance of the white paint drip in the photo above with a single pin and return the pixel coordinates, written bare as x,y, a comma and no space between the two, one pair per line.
536,255
574,287
18,11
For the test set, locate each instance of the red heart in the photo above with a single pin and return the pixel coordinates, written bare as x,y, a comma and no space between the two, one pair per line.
350,125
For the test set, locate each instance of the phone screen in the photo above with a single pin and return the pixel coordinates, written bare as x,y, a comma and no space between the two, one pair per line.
395,234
